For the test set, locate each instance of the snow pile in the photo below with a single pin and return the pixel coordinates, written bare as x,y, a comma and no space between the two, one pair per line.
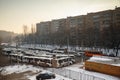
18,69
116,64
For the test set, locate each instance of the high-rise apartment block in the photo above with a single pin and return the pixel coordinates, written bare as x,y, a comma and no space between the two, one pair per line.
93,29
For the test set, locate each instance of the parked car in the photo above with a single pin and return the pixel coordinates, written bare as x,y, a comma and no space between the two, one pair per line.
46,75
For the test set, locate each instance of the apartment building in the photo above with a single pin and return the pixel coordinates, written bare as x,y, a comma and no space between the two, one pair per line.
93,29
43,28
58,25
116,24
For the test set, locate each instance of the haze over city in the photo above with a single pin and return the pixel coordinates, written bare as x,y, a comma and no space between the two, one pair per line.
16,13
59,39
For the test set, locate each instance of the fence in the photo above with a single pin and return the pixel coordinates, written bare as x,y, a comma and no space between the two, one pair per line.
73,74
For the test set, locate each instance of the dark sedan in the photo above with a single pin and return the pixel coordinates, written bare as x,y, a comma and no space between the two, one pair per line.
43,76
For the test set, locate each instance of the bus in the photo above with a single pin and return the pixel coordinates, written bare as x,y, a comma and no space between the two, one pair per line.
43,61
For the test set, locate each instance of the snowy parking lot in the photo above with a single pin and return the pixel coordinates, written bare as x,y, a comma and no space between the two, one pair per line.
29,72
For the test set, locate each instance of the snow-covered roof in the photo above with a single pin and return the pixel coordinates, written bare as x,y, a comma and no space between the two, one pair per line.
106,60
38,57
100,59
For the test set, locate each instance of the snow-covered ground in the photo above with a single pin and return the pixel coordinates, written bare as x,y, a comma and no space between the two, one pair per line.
58,77
73,72
18,69
98,76
70,48
24,68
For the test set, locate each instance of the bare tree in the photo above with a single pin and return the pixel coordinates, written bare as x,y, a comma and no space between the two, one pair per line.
0,40
0,45
33,34
32,29
25,32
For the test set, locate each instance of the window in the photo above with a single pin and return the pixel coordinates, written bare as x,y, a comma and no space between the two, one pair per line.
96,16
107,15
96,25
106,22
106,25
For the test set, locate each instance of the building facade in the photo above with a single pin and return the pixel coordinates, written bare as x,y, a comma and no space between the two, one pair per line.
94,29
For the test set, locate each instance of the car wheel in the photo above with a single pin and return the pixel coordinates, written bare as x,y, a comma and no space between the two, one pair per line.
52,77
42,79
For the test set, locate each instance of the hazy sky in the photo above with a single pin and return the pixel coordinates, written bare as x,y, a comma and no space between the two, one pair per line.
16,13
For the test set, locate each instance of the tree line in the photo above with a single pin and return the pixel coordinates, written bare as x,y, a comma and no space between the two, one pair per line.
108,37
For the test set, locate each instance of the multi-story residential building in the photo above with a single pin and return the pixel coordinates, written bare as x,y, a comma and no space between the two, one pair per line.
43,28
54,26
116,24
71,25
80,30
93,29
62,26
58,25
98,23
43,31
76,27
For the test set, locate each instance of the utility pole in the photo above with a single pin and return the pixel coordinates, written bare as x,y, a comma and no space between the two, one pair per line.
68,29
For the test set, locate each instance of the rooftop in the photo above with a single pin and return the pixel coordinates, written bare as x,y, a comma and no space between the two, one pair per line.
106,60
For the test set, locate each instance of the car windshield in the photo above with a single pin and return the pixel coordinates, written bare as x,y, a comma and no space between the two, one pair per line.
46,73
